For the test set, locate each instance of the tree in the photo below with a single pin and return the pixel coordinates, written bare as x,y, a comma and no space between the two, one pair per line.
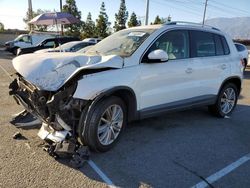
72,29
133,21
89,29
102,23
26,19
1,27
158,20
121,17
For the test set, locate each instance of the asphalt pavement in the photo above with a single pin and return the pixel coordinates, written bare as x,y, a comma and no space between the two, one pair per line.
182,149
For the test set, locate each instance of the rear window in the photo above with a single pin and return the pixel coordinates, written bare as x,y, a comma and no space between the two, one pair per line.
240,47
225,46
218,45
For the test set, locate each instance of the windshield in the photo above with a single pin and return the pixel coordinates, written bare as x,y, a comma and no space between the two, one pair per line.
23,38
123,43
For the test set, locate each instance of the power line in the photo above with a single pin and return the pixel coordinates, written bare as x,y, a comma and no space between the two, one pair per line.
229,12
184,4
229,7
166,3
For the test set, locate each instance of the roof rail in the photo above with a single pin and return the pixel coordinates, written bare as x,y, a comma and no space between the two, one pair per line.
190,23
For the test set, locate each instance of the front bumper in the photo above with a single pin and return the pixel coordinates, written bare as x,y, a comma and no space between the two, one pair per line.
58,111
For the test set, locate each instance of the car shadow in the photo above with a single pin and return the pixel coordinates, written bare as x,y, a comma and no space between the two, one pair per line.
163,151
6,54
247,73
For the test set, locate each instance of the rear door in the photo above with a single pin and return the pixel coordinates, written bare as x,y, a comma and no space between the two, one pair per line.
209,62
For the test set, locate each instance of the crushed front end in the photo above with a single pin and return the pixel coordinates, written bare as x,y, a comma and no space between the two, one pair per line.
58,111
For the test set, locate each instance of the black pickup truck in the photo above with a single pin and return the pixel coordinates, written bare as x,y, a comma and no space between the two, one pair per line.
47,43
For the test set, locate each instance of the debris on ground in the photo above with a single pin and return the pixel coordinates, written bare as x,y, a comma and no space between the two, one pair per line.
19,136
69,149
80,157
25,119
28,145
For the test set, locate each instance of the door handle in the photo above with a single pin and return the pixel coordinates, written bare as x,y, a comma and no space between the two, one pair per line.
223,66
189,70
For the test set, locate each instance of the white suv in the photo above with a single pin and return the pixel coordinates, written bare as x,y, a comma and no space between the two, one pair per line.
133,74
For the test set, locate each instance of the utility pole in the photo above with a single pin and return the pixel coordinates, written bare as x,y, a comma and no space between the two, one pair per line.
30,13
147,9
204,15
61,11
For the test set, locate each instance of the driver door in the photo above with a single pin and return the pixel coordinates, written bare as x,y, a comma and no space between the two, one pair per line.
164,83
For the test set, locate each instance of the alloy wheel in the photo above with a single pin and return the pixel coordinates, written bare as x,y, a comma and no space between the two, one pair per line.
110,124
228,100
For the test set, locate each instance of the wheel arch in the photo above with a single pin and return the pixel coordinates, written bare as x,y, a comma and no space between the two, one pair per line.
127,95
235,80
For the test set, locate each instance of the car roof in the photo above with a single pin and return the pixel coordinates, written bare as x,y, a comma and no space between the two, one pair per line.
181,25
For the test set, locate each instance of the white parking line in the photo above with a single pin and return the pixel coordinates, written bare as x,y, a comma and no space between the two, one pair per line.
101,174
216,176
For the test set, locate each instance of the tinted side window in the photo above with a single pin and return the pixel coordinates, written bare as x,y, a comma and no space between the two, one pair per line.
218,45
175,43
225,46
202,44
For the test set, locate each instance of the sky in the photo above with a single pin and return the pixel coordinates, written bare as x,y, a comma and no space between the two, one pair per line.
12,12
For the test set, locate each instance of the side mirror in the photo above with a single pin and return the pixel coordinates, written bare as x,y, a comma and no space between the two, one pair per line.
157,56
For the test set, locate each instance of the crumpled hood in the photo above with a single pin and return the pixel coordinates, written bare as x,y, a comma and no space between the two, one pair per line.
51,71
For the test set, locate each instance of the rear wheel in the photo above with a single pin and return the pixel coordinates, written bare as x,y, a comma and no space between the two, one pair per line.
226,101
104,124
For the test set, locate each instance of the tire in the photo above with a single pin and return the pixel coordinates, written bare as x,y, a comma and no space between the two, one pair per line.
99,120
226,101
15,51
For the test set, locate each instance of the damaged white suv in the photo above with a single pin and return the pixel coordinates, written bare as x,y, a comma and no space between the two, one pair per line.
133,74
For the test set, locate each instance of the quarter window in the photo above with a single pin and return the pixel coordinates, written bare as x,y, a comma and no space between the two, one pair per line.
175,43
240,47
218,44
202,44
225,46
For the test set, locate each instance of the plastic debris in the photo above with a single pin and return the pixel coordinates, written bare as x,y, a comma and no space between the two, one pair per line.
80,157
18,136
24,119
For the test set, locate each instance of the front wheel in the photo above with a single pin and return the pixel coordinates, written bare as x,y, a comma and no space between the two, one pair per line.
226,101
104,124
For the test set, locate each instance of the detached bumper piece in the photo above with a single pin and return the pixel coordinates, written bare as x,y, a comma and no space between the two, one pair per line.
62,145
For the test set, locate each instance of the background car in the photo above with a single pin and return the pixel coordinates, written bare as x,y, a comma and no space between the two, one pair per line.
47,43
94,40
242,49
68,47
25,41
83,50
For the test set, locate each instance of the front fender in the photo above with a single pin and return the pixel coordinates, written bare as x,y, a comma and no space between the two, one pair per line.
91,86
